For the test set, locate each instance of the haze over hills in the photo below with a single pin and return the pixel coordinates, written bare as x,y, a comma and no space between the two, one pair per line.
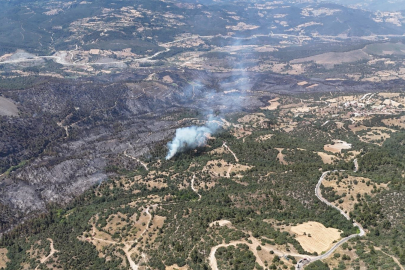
192,134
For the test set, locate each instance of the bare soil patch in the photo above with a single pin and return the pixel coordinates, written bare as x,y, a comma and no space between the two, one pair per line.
264,137
221,223
280,156
217,151
376,135
3,258
152,180
222,168
351,186
337,147
240,133
252,119
355,128
400,122
334,262
315,237
326,158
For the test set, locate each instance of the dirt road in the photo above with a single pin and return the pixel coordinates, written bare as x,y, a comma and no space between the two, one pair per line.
137,159
53,251
356,165
192,187
128,245
229,149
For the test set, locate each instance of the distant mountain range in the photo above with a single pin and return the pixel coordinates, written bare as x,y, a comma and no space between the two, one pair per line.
143,25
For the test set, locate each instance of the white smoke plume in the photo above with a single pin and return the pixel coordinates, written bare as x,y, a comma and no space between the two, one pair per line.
191,137
237,84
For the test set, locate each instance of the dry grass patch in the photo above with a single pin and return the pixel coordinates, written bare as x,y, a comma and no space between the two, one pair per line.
334,262
337,147
376,135
303,108
351,186
315,237
356,128
157,223
343,99
217,151
36,251
400,122
252,119
220,167
152,180
3,258
240,133
326,158
280,156
116,223
264,137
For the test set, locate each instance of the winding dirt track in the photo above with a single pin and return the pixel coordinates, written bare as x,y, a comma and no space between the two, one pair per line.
128,244
137,159
252,246
229,149
192,187
394,258
53,251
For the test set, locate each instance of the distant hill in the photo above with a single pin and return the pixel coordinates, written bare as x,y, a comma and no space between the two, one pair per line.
46,27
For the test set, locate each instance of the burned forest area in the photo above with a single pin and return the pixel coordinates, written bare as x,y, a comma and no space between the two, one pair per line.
202,135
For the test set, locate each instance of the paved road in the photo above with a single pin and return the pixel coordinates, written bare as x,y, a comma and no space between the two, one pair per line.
318,194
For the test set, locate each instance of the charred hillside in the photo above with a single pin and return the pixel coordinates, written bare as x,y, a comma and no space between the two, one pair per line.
72,134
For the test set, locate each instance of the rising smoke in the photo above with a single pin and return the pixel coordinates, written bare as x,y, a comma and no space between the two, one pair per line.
191,137
237,85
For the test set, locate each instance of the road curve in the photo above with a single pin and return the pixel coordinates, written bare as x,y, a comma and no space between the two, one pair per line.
53,251
342,241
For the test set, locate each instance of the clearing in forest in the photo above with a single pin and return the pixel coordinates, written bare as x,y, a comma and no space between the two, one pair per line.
337,147
3,258
220,167
376,135
315,237
348,188
400,122
280,156
326,158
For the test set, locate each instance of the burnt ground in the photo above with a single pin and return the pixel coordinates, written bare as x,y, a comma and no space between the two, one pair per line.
70,132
